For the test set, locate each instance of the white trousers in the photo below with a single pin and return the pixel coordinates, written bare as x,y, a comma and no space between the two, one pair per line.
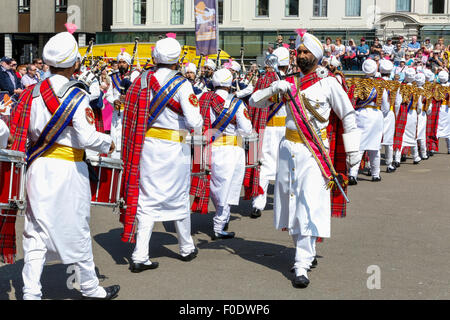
423,147
221,217
389,155
305,252
32,271
374,157
144,233
260,201
414,152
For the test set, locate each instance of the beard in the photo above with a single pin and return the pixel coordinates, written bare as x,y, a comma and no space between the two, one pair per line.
123,70
306,65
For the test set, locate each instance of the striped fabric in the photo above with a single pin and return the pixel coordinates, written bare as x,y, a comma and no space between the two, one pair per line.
400,126
432,126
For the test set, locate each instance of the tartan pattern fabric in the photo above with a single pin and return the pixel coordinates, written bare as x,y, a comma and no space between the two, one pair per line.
432,126
200,186
136,114
258,117
400,126
99,125
20,121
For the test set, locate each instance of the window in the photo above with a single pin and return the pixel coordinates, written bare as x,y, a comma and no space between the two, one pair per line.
220,11
262,8
403,6
24,6
139,12
291,8
61,5
320,8
177,9
437,6
352,8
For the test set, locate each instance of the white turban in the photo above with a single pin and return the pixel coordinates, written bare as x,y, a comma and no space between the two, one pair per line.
124,56
311,43
167,51
235,66
222,78
369,67
386,66
210,63
429,75
283,56
61,51
443,76
410,75
190,68
420,79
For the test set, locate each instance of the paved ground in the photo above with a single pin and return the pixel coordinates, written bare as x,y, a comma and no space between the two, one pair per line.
401,225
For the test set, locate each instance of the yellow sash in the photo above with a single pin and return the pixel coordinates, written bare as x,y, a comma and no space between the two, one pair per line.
167,134
58,151
277,122
292,135
228,141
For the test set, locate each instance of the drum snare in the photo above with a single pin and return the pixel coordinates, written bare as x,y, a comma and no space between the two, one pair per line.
251,147
199,155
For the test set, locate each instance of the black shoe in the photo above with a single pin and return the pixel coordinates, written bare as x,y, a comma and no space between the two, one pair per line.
425,158
139,267
191,256
390,169
430,153
226,226
396,164
376,179
256,213
111,293
314,263
416,162
369,172
352,181
300,282
223,235
403,158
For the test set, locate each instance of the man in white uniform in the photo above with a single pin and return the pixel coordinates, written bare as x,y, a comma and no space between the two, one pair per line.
58,191
4,134
302,199
228,155
422,109
443,130
386,67
424,112
274,133
241,90
116,96
165,160
370,122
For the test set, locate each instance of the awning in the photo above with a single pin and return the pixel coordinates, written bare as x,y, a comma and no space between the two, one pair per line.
435,28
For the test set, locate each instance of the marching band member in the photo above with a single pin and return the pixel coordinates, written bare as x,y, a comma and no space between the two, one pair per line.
159,111
424,114
402,109
4,134
190,70
422,109
58,212
386,67
229,116
121,81
240,89
370,122
270,138
205,81
302,199
443,130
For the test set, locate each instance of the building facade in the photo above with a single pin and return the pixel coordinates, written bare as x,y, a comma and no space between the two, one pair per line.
256,23
26,25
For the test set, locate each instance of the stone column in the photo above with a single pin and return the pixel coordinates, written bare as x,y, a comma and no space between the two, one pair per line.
8,45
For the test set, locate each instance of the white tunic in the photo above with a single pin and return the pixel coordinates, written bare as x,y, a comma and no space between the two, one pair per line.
389,123
422,120
410,134
4,134
443,130
165,166
302,200
58,191
228,162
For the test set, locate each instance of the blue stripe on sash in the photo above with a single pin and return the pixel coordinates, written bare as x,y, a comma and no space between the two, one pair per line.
372,96
55,118
163,103
227,121
116,81
274,112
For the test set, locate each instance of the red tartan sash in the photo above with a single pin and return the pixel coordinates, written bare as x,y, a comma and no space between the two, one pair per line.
432,126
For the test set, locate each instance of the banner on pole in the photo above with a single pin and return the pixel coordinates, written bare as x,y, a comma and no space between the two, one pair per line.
206,26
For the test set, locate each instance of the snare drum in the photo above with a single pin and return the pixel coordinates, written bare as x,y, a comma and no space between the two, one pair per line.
251,147
12,177
199,155
106,191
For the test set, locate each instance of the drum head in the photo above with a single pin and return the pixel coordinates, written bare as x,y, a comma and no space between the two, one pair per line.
12,156
98,161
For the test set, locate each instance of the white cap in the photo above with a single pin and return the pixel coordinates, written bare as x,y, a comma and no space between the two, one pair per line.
429,75
386,66
190,67
222,78
235,66
61,51
369,67
125,57
420,79
443,76
283,56
210,63
311,43
167,51
410,75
